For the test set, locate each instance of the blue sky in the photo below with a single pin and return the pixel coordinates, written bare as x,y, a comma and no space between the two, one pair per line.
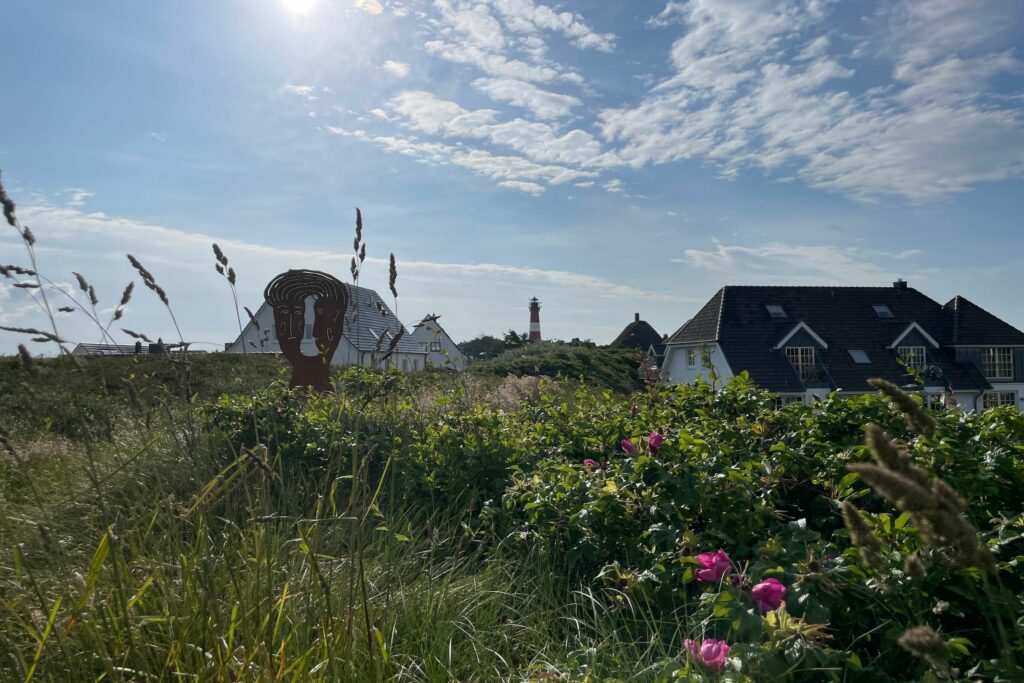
606,157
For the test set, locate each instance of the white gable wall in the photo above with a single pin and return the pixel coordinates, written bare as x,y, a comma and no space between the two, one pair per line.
676,370
445,353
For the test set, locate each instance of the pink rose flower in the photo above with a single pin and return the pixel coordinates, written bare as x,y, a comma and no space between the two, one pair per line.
768,594
590,463
711,653
654,441
628,446
713,566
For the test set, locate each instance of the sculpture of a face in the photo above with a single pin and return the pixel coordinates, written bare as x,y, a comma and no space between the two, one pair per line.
290,323
287,294
328,325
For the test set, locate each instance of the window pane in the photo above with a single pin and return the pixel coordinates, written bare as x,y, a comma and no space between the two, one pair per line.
860,356
776,311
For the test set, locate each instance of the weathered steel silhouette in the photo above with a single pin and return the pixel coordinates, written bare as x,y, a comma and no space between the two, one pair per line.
286,295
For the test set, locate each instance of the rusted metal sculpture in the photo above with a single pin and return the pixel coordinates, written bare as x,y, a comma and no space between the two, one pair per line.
286,295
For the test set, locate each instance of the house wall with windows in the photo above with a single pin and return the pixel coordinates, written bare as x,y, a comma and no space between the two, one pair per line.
441,349
686,364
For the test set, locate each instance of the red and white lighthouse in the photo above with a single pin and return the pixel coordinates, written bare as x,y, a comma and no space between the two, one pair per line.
534,320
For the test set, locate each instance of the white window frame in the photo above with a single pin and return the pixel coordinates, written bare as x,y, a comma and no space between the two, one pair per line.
798,357
995,359
691,358
905,353
994,399
783,400
435,346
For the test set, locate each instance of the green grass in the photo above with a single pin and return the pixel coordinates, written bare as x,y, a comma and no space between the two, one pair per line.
168,556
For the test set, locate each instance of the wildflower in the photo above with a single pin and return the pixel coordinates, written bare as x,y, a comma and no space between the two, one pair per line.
711,653
628,446
768,594
590,463
713,566
654,441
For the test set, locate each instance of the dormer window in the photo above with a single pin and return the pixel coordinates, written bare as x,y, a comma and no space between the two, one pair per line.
913,356
776,311
883,311
802,360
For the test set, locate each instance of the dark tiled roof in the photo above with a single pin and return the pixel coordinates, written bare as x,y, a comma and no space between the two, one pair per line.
703,326
637,335
973,325
844,317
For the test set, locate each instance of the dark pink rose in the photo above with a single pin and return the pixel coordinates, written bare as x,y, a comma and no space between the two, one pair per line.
654,441
628,446
710,652
713,566
768,594
590,463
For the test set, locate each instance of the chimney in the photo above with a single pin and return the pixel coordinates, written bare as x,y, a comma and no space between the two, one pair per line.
636,317
534,319
900,284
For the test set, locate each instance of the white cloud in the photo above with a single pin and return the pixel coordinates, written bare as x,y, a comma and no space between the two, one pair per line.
614,186
540,142
396,69
490,63
371,6
77,195
543,103
791,264
304,90
159,137
496,167
522,186
525,16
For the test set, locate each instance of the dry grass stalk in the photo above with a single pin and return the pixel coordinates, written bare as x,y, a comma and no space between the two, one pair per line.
863,537
925,642
26,359
936,509
914,414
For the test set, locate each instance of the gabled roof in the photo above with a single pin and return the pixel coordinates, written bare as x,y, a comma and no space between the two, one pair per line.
738,320
802,327
704,326
637,335
914,327
972,325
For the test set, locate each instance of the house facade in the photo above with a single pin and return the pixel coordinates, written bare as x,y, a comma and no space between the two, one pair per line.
806,342
442,351
368,331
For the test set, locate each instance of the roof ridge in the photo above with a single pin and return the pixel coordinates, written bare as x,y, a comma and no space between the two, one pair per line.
721,309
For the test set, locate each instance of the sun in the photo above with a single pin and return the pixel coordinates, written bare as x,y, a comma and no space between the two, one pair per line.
299,8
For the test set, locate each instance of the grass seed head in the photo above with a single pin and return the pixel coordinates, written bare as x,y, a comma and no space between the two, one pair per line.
913,413
924,642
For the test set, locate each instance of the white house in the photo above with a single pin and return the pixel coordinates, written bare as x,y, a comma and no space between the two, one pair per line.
367,319
442,352
805,342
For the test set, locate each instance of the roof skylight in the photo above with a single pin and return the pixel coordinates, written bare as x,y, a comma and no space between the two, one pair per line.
883,311
776,311
860,356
